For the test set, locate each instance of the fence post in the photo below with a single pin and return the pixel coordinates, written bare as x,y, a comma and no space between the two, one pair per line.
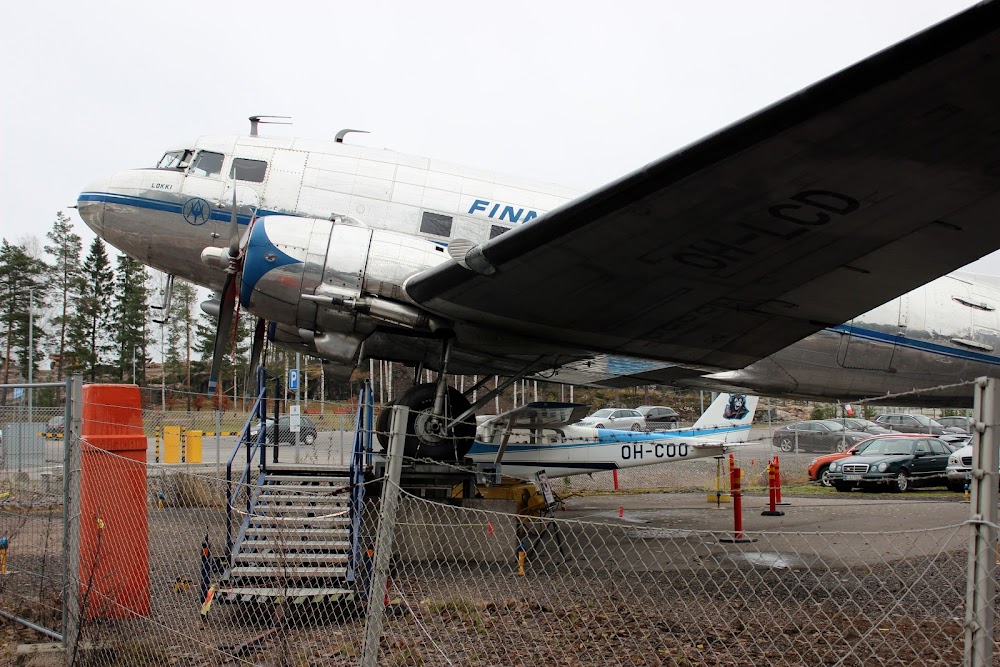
71,512
981,583
383,539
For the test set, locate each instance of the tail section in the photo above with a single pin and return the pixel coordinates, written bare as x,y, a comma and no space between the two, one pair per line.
729,415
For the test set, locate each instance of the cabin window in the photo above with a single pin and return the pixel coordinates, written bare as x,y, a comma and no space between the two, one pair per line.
175,159
435,223
248,170
207,164
497,230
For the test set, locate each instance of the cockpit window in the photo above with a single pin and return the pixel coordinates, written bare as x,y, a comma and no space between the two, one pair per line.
207,163
175,159
248,170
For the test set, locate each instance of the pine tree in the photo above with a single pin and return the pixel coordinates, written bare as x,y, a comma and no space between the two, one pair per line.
21,277
180,332
64,281
90,337
130,314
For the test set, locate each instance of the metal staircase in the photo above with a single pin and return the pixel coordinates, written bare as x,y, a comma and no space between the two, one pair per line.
300,533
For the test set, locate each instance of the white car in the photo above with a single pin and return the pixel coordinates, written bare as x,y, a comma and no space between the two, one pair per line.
619,419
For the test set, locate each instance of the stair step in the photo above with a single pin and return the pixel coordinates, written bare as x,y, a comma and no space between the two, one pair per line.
297,495
312,521
289,533
309,557
292,572
296,595
303,513
307,469
258,545
316,480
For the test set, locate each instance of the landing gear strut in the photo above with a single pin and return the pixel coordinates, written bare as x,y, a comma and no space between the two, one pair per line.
433,406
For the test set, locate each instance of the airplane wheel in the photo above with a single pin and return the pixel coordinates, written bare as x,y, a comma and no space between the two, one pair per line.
424,439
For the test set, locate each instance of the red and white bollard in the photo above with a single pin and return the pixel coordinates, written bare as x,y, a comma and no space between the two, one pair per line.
777,483
734,490
772,490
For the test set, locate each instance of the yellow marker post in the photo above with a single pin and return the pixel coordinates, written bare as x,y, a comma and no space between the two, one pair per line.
718,496
171,444
3,555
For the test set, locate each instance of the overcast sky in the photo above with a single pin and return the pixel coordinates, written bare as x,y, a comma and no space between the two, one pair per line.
576,93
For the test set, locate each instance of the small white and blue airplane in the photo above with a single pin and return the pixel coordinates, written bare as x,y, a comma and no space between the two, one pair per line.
545,437
785,255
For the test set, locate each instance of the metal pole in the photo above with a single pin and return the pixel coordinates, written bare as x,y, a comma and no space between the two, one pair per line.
71,509
31,362
384,536
981,580
298,404
218,444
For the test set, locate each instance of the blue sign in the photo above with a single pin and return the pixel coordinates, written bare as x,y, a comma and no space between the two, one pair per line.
18,393
293,379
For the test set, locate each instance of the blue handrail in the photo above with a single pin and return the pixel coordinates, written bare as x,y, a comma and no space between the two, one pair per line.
362,447
258,410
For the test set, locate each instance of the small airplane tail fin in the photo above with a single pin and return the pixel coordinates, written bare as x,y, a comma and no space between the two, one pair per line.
729,414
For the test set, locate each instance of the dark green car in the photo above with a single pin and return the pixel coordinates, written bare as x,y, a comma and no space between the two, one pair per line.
895,463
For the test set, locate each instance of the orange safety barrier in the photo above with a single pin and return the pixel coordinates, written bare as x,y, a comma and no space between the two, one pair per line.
114,536
772,490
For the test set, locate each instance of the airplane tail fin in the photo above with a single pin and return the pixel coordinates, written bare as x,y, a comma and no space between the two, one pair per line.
729,415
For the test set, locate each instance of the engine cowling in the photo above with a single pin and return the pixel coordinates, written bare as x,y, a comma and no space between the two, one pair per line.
335,278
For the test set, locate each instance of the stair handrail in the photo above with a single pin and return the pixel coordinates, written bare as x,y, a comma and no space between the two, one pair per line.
258,410
361,452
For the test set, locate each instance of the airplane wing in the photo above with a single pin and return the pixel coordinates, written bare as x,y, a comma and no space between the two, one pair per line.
541,415
814,210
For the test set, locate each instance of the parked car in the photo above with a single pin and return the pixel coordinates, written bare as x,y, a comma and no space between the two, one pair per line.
659,417
819,468
816,435
896,462
307,430
862,425
914,424
959,469
964,423
56,425
620,419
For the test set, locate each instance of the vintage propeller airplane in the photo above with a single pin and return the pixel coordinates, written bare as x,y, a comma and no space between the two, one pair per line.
782,255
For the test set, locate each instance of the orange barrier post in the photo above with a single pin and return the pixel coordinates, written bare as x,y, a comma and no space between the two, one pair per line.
777,482
734,489
772,490
614,475
114,536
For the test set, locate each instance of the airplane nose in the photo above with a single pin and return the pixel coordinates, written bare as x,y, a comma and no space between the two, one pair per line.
90,205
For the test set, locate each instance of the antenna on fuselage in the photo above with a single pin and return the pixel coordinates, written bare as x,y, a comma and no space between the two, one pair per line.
256,120
343,133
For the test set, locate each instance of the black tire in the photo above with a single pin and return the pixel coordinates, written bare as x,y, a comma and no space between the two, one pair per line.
636,427
786,444
824,477
902,483
842,486
309,438
842,446
599,426
420,400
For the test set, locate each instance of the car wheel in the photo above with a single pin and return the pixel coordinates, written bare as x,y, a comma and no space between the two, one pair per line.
824,478
786,444
309,438
636,427
598,425
842,486
842,446
902,482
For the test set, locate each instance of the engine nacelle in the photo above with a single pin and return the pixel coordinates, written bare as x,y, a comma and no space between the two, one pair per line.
336,278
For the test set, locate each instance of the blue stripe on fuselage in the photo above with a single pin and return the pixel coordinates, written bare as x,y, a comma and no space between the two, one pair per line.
914,344
606,436
151,204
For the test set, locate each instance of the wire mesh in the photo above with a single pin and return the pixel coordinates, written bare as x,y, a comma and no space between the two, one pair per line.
471,581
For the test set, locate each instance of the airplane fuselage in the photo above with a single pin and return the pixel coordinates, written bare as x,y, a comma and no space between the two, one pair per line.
360,220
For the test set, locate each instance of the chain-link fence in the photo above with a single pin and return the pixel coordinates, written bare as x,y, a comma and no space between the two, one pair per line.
598,578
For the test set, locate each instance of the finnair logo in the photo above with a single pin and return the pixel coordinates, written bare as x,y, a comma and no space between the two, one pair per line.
498,211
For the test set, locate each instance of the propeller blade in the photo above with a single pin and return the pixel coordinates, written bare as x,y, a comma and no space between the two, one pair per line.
256,347
227,308
234,231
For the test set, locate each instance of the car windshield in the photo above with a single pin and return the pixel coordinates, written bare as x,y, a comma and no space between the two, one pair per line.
606,412
888,446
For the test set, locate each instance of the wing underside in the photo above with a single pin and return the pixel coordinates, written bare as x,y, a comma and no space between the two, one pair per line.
802,216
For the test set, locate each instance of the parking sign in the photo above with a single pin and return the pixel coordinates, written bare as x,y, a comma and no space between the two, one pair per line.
293,378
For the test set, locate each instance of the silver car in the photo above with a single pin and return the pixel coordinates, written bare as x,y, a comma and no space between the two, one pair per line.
620,419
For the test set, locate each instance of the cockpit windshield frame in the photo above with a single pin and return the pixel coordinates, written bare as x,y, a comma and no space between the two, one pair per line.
177,160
